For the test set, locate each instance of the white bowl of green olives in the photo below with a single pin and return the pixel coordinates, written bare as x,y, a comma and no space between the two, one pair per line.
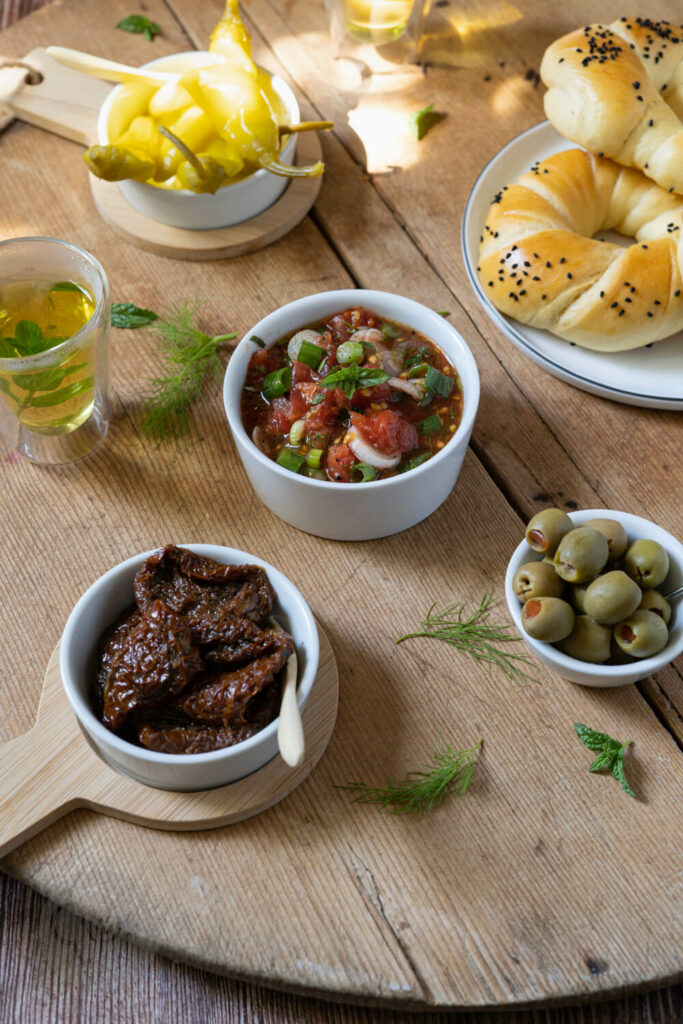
587,592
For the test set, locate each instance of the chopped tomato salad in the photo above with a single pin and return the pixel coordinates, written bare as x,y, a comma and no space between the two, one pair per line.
351,399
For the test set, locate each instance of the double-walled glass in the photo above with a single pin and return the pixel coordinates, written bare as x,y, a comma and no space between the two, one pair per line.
54,405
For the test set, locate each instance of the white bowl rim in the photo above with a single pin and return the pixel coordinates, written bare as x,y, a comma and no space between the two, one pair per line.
238,186
92,724
645,666
470,405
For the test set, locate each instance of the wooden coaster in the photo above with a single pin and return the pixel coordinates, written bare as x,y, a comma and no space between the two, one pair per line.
53,769
218,243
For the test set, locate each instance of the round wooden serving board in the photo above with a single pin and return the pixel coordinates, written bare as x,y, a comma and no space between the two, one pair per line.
219,243
67,103
53,769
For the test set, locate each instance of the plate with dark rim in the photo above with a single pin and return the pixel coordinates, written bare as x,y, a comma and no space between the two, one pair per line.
651,376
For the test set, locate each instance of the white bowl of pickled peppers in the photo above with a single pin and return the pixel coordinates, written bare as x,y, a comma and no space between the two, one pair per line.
371,507
233,204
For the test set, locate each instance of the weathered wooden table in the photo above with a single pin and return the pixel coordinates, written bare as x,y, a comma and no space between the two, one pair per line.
553,884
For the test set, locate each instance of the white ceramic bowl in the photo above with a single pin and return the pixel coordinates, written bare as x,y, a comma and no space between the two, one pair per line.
229,205
98,609
606,675
353,511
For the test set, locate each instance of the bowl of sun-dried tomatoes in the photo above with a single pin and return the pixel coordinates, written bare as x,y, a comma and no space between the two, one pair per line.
173,662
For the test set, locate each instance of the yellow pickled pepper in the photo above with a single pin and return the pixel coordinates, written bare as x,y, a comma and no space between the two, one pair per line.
133,155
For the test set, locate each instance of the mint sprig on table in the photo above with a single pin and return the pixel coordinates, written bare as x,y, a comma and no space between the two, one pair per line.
421,121
449,771
610,754
129,316
138,24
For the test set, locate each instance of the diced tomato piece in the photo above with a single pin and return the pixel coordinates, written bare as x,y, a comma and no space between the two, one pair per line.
326,413
301,372
339,463
387,430
379,393
268,358
280,417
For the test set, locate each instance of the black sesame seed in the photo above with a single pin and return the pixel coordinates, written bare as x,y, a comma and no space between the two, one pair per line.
570,275
621,312
650,315
614,305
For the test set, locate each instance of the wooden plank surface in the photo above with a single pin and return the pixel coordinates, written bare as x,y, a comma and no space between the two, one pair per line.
530,438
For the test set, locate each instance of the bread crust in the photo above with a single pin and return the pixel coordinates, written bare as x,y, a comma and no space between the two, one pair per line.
540,263
618,90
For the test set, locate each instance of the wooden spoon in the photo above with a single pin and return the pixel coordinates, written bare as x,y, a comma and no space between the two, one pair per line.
109,70
290,732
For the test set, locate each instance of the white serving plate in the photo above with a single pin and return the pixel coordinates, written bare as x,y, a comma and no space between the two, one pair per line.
651,377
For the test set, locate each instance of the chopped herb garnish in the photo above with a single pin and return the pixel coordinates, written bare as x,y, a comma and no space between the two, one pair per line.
437,385
432,425
310,354
138,24
610,754
444,312
366,472
448,771
290,460
352,378
390,331
415,461
277,383
257,341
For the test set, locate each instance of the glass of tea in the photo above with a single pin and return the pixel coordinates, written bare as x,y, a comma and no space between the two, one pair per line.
378,22
54,364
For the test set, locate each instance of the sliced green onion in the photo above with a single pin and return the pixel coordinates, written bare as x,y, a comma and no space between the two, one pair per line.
311,354
432,425
290,460
296,432
415,461
418,371
349,352
277,383
313,458
438,383
257,341
316,474
366,471
389,331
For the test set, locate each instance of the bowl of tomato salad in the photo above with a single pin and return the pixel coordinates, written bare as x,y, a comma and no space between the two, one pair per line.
351,411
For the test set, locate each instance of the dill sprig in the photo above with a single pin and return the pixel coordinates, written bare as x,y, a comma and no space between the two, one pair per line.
190,360
448,771
475,636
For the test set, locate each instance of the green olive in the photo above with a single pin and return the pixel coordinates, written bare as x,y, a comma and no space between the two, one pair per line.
653,601
581,555
615,535
577,596
612,597
642,634
588,641
546,529
536,579
647,563
548,619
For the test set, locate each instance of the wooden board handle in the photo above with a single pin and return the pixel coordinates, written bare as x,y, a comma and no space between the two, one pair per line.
64,102
37,782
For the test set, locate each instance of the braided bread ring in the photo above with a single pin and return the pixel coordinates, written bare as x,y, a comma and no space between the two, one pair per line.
618,91
540,264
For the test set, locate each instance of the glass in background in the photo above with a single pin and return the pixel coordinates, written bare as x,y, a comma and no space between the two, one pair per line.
54,363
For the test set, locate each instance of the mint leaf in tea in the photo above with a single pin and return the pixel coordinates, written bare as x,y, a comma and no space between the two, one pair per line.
53,394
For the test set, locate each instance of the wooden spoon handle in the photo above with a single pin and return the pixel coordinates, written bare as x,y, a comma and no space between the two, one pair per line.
36,782
109,70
